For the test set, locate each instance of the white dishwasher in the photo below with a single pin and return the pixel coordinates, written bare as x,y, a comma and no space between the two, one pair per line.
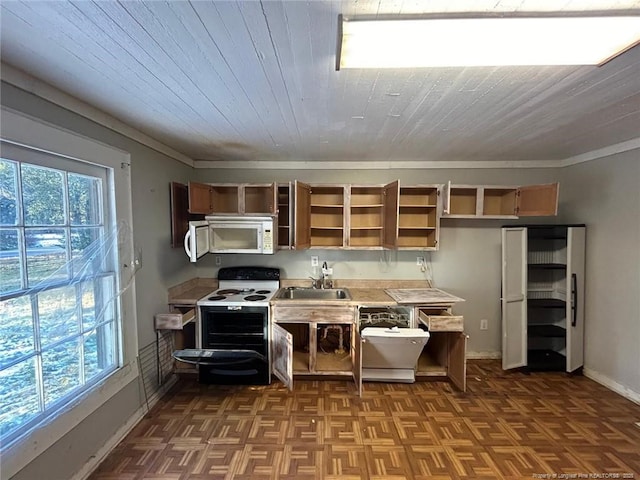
390,348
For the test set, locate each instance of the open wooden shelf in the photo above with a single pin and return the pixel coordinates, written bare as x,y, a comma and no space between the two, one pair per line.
225,198
499,201
418,217
463,201
285,216
419,196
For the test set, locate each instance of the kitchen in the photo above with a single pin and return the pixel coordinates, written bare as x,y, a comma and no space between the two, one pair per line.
601,192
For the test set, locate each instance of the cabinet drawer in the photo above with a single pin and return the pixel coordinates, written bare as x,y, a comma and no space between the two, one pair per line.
174,320
440,320
328,314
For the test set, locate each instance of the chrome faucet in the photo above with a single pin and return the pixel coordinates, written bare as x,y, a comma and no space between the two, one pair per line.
326,281
317,282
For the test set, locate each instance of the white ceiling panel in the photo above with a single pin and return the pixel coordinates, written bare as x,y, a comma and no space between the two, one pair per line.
255,81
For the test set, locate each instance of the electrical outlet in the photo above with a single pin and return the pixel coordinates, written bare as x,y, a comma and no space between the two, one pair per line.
419,260
314,260
218,260
484,324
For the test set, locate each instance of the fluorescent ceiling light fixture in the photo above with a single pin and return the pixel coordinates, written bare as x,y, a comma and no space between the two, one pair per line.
474,42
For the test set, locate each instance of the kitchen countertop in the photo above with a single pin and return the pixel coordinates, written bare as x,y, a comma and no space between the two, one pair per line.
370,296
189,292
417,296
363,292
359,296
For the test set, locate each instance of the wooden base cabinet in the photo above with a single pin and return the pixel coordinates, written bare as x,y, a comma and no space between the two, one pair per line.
312,340
444,355
326,340
543,297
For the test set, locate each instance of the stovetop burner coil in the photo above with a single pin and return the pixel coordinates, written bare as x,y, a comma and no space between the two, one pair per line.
233,291
216,297
254,298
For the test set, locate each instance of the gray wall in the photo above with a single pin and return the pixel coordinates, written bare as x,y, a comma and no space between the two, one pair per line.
605,195
162,267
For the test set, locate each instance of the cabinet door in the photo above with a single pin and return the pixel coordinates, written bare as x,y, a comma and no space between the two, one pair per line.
179,196
282,355
196,240
199,198
446,198
514,297
575,304
226,199
537,200
302,214
357,358
456,359
391,212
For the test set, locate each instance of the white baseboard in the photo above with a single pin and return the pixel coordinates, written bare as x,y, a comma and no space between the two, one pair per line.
93,463
592,374
612,385
484,355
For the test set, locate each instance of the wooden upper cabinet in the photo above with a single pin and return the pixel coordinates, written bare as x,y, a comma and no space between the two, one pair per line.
372,216
391,194
362,217
199,198
538,200
367,217
496,201
233,199
259,199
302,216
419,211
180,217
326,209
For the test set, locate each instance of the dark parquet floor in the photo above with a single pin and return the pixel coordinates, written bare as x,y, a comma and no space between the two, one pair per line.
507,425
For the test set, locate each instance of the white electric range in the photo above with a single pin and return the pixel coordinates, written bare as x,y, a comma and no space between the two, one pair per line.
232,328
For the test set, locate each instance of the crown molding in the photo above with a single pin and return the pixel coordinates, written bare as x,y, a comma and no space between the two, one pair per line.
50,93
373,165
621,147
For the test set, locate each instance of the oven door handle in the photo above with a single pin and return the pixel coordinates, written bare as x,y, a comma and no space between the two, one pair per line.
216,356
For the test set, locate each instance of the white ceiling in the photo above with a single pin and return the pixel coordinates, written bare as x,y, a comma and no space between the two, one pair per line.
255,81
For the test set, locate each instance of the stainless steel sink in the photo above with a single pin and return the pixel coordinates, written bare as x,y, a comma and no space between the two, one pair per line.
302,293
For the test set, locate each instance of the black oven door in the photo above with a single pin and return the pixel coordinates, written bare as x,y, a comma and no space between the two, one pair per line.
238,342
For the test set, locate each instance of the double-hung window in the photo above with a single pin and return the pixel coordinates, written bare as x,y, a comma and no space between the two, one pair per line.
67,320
57,281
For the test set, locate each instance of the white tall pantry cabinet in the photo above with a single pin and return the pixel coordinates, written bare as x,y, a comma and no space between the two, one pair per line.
543,297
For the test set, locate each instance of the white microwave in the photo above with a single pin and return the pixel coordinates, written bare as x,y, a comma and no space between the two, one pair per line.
230,235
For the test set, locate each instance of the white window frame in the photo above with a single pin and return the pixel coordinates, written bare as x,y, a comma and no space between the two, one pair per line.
26,131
